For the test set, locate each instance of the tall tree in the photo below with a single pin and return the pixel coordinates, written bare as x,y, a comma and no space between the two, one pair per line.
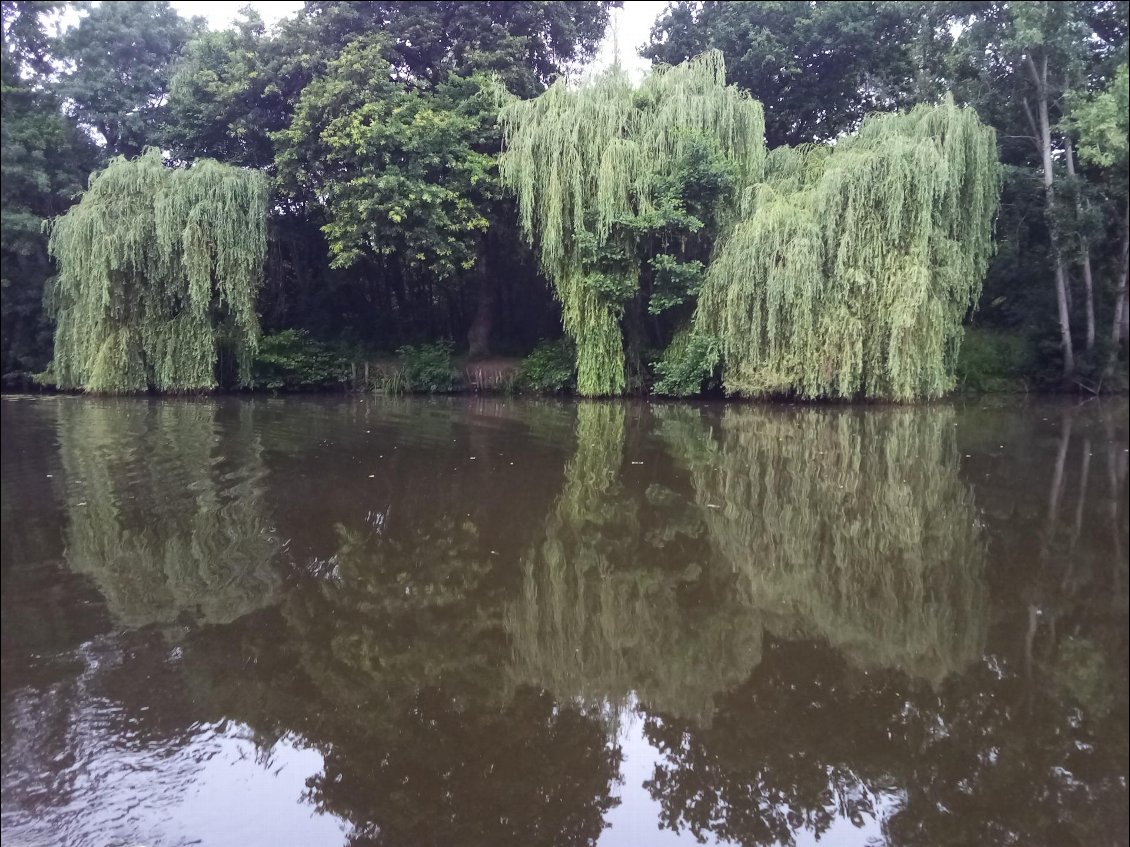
44,158
818,67
219,106
1022,65
404,176
158,273
1103,126
852,269
599,171
118,63
237,96
527,44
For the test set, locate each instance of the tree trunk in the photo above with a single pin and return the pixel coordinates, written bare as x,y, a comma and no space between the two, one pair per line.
478,336
1119,330
1040,78
1088,278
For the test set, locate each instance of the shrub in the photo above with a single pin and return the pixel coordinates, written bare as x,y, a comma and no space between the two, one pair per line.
428,368
687,366
995,361
551,368
289,360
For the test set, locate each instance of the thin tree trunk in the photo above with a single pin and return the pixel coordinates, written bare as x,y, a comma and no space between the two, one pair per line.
1119,329
1085,258
1040,78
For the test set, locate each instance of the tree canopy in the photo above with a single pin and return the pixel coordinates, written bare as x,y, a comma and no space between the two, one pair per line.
158,272
839,271
44,158
402,211
119,61
590,165
854,267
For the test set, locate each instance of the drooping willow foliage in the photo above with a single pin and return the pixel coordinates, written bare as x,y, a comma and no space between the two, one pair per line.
851,528
165,510
610,608
158,274
587,162
854,527
853,266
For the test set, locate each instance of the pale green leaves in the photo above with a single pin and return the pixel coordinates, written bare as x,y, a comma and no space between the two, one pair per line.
158,272
589,163
853,268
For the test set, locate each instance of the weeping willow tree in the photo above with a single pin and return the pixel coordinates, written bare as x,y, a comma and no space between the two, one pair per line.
610,610
164,529
589,164
853,527
158,274
853,266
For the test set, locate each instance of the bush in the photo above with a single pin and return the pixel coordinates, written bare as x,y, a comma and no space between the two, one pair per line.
428,368
995,361
551,368
687,367
290,360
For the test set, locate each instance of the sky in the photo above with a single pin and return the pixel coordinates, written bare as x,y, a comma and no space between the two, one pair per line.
629,30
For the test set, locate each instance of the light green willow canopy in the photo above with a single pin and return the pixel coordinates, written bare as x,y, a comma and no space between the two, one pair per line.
842,270
158,273
582,158
853,266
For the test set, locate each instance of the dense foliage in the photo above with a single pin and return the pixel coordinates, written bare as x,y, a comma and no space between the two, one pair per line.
600,172
158,273
45,159
395,218
852,270
292,361
1030,70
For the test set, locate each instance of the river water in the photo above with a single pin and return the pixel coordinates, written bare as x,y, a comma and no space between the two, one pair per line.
493,622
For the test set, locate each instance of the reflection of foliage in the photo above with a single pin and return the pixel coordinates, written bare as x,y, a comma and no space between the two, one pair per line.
808,739
1082,673
398,613
855,524
608,610
403,642
393,668
531,772
776,759
848,527
165,509
390,656
1034,732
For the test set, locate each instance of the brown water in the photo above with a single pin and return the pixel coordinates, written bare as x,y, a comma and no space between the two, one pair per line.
465,622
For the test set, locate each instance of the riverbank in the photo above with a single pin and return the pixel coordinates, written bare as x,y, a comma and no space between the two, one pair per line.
290,362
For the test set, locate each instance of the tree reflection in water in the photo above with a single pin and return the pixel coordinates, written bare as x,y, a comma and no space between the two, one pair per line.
165,509
1014,743
798,605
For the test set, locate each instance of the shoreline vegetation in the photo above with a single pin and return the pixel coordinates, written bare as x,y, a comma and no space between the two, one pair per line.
433,198
990,363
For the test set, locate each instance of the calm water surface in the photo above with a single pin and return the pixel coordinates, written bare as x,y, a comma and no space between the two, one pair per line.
495,622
